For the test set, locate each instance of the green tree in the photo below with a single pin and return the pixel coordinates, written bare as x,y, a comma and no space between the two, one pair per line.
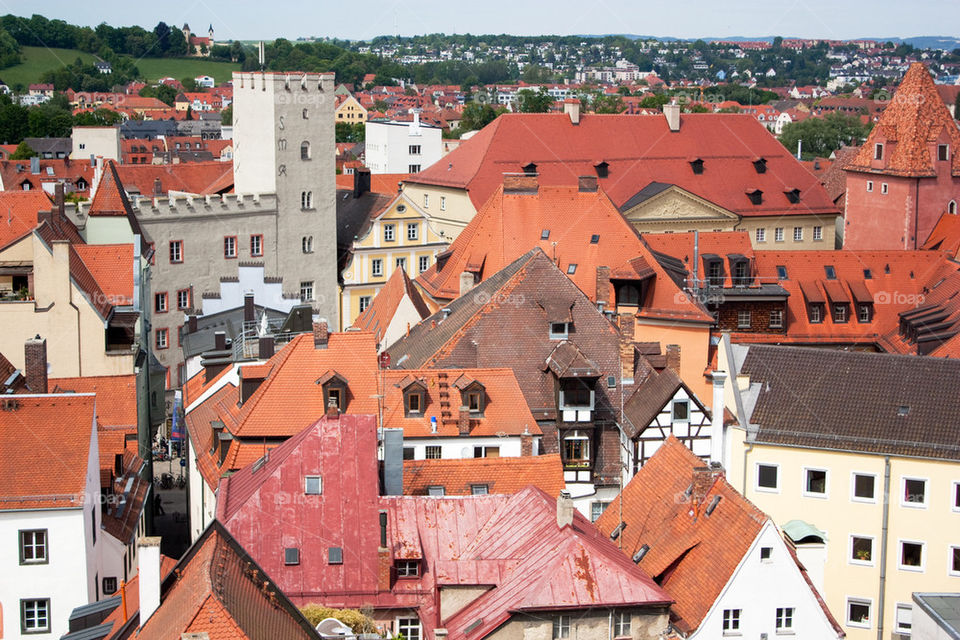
534,102
226,116
189,85
350,132
608,104
163,92
23,152
477,115
535,74
823,136
97,118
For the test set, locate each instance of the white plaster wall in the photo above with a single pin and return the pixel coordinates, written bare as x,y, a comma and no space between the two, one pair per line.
388,145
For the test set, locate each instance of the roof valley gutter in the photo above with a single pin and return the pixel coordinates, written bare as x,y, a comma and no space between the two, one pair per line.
884,533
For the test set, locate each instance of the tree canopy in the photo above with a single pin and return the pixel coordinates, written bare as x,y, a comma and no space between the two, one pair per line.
823,136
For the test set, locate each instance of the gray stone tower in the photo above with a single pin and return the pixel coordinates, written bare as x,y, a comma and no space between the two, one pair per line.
283,137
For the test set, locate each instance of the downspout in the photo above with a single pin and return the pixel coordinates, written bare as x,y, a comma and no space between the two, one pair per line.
79,341
883,545
747,449
916,214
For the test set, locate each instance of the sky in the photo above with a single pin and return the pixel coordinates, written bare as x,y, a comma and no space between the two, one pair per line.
257,19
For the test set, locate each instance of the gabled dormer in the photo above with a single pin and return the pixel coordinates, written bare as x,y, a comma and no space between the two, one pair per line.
335,390
414,397
473,395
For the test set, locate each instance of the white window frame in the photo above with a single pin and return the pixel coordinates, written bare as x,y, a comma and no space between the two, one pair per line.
884,188
900,606
950,569
403,625
779,323
557,335
731,617
306,244
778,234
784,622
869,186
621,624
389,232
756,477
868,602
853,487
443,203
413,231
400,263
306,486
798,234
826,483
923,556
817,233
376,272
306,286
864,563
761,234
34,545
955,496
744,318
560,627
903,493
423,263
426,201
36,616
364,303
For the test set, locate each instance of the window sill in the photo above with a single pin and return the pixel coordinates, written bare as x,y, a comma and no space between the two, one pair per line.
786,632
911,569
819,496
767,490
914,505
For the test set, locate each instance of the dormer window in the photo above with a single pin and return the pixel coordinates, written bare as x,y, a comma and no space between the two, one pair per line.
473,400
878,151
530,169
760,165
334,390
840,313
714,268
414,399
472,395
603,169
815,312
576,449
793,195
697,165
559,330
943,152
628,295
741,273
756,196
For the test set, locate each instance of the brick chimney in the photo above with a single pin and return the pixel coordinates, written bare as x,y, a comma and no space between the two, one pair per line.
332,410
587,184
35,364
266,347
520,183
466,281
220,341
157,187
627,350
571,107
463,421
384,561
603,287
564,510
361,181
320,335
526,443
191,324
672,113
673,358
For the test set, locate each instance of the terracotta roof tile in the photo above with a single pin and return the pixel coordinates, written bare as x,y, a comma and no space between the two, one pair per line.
945,235
500,475
18,213
111,267
376,318
199,178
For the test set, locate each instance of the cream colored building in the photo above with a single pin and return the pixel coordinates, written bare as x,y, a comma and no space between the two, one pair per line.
350,111
868,471
402,235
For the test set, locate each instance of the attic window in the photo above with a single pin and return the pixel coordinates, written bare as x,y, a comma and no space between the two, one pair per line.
530,169
697,166
572,268
259,463
291,556
756,196
603,169
559,330
335,555
781,272
414,403
867,274
618,530
479,489
943,152
436,490
903,410
312,486
760,164
408,568
878,151
595,238
793,195
545,234
830,271
628,295
473,400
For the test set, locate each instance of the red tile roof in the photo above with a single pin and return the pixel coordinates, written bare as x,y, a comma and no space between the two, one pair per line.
109,199
505,411
384,183
111,266
692,556
199,178
915,118
639,151
75,174
377,317
48,432
512,223
500,475
18,213
945,235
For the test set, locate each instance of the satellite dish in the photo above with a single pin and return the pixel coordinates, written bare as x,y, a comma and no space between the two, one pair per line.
466,452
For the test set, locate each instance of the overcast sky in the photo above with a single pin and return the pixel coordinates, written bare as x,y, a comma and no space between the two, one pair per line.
259,19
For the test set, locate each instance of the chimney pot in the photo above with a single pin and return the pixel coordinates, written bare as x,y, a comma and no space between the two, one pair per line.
266,347
564,509
526,444
703,480
673,358
35,364
249,312
321,335
220,341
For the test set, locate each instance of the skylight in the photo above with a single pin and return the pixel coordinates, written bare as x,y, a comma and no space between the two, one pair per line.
545,234
595,238
830,271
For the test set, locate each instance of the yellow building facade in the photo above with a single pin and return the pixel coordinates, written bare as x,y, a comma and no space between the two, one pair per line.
401,236
351,111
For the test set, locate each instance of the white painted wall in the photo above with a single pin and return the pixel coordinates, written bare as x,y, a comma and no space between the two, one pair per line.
387,148
103,142
758,588
250,280
406,315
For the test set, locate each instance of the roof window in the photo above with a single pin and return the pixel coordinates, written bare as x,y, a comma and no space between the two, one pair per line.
545,234
760,164
595,238
697,165
781,272
830,271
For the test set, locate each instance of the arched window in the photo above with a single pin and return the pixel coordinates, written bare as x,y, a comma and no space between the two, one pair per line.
306,199
952,207
304,150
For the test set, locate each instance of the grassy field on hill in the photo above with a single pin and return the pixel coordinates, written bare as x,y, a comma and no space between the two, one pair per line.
37,60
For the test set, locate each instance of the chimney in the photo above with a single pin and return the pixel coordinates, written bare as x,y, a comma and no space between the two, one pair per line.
526,443
673,358
466,281
157,187
520,183
672,113
393,462
361,181
58,200
463,421
266,347
627,350
603,286
332,410
716,427
564,509
587,184
249,312
320,335
35,364
220,341
384,565
192,324
148,569
571,107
